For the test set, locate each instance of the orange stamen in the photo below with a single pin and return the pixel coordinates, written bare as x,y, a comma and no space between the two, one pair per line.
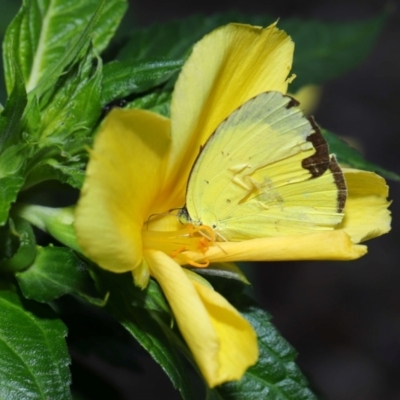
191,238
199,265
177,251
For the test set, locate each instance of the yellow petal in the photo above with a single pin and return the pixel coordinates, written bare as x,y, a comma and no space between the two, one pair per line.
222,342
226,68
308,96
366,213
238,341
122,182
141,274
327,245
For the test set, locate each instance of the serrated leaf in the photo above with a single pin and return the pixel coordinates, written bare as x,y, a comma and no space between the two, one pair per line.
66,121
75,107
275,376
33,354
140,312
122,78
158,102
348,156
63,168
55,272
27,41
72,174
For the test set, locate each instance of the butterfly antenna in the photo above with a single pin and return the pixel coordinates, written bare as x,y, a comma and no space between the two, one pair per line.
223,240
221,237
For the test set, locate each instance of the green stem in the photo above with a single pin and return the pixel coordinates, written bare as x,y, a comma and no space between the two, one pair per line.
58,222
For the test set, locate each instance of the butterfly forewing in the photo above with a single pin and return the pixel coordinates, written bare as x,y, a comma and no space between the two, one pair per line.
266,171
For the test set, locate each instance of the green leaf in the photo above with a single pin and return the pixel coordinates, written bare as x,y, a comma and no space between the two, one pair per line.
57,271
31,121
72,173
173,39
13,160
122,78
348,156
66,122
40,55
47,35
10,117
9,188
13,153
51,75
11,61
33,353
275,376
9,9
108,22
74,108
225,270
141,312
326,50
158,102
323,50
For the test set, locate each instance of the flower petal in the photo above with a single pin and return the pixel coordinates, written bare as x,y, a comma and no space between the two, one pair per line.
366,213
223,343
226,68
326,245
238,341
123,177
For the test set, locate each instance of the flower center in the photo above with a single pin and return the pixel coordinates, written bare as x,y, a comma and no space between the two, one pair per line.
176,243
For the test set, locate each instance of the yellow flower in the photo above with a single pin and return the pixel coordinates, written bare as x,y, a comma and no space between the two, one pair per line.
138,172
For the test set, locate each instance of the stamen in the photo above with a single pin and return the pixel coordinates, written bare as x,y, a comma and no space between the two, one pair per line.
198,265
191,238
176,252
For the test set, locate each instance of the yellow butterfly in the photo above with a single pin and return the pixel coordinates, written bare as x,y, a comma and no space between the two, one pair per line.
266,171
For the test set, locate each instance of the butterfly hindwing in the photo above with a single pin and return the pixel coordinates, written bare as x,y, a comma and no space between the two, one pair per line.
266,171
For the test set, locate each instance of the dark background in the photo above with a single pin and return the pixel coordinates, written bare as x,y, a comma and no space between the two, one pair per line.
342,317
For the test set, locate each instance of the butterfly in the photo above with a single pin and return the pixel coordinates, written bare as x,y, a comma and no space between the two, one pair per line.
265,171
